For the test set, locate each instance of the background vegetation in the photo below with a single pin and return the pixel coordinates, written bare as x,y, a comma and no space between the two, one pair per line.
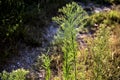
102,1
99,60
14,16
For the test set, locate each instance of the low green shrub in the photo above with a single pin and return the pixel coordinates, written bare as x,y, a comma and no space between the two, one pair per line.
19,74
108,18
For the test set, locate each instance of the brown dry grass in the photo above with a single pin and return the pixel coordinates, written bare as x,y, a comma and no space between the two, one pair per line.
115,41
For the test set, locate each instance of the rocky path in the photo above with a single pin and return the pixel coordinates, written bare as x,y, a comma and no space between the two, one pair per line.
27,55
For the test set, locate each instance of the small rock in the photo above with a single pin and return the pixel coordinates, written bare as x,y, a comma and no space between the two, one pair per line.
97,10
106,9
96,25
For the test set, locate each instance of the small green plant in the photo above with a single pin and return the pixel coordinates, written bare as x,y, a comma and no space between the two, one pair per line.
19,74
101,52
71,21
46,65
99,49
